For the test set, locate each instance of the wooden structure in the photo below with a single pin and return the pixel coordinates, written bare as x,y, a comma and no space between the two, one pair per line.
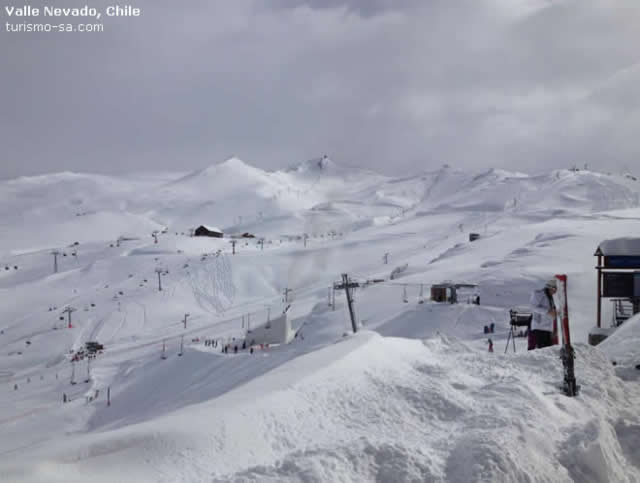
448,292
443,292
618,273
212,231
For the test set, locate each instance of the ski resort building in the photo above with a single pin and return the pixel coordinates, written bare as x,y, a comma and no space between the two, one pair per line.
274,331
451,292
212,231
618,277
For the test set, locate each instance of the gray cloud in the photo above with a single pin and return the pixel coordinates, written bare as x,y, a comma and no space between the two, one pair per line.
366,8
393,86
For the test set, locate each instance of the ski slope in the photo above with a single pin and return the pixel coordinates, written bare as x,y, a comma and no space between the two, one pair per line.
413,396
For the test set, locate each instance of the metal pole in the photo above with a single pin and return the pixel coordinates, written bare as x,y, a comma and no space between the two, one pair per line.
164,350
109,396
345,281
333,298
55,254
181,345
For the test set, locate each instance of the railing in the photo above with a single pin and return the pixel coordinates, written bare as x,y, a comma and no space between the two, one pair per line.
622,310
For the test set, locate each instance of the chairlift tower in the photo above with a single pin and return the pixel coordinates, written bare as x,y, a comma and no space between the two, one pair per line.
68,311
347,285
88,369
159,272
55,254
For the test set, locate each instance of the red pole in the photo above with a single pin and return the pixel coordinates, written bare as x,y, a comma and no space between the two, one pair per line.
599,298
565,312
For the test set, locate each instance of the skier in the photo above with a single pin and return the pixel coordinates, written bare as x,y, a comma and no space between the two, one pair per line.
544,314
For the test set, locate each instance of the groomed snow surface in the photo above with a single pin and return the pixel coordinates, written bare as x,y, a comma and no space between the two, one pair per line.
415,395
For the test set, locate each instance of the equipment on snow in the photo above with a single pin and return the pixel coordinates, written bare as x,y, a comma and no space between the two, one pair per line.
567,354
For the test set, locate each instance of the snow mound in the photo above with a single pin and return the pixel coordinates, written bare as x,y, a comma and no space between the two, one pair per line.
622,345
474,416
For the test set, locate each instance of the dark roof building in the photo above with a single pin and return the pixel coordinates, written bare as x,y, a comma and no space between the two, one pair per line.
205,230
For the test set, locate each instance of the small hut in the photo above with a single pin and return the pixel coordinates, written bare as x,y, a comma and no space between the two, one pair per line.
443,292
618,279
212,231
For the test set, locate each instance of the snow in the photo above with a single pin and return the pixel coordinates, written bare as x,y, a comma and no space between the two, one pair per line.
620,246
274,331
414,395
622,345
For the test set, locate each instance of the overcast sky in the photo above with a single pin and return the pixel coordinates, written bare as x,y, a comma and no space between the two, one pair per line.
393,85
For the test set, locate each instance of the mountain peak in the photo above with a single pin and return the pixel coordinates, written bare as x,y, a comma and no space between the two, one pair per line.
314,165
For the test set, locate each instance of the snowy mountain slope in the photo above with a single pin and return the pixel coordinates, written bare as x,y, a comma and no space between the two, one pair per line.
375,406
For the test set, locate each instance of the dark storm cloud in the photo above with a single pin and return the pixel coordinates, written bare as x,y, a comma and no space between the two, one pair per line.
394,86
